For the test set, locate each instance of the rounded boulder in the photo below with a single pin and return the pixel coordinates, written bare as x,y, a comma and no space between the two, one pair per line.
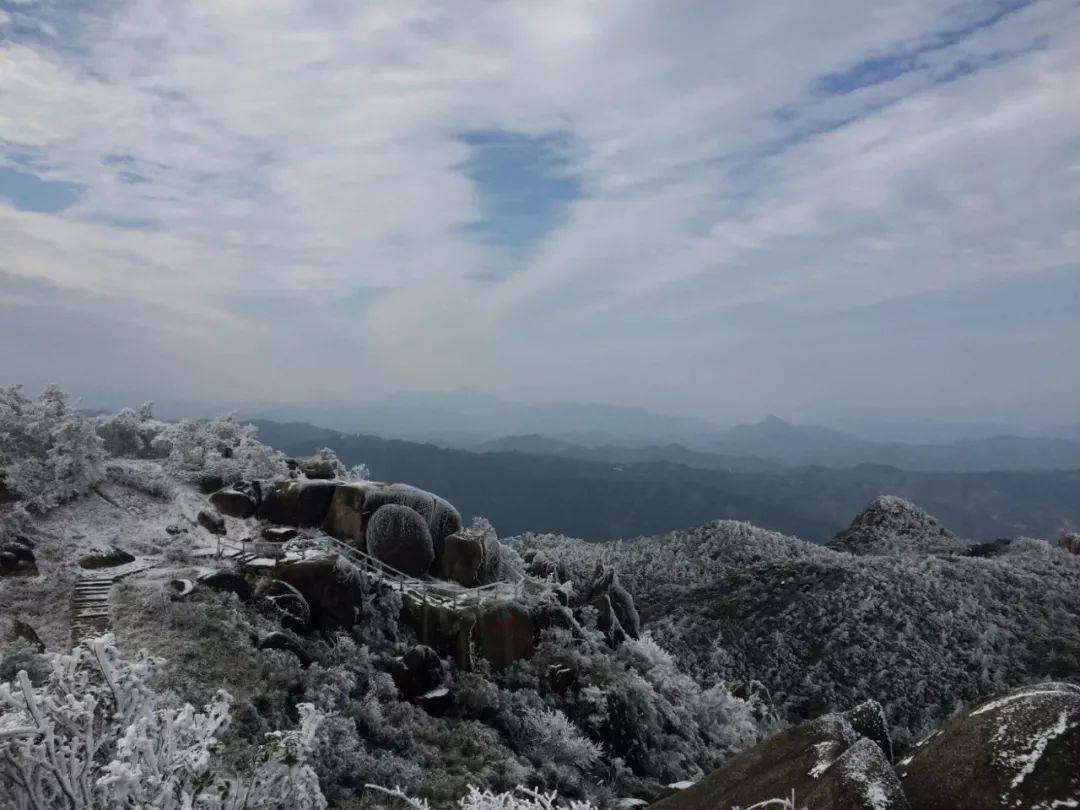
399,537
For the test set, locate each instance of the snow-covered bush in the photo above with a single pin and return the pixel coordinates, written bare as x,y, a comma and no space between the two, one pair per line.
96,734
130,432
358,472
148,480
521,798
49,451
220,448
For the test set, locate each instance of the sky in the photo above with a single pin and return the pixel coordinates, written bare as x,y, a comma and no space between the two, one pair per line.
716,210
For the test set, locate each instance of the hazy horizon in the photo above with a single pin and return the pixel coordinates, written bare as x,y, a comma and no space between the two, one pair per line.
716,211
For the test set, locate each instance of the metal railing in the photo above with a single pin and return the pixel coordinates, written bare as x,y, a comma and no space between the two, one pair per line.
424,589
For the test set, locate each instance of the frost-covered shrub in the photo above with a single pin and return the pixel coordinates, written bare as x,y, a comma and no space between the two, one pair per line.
358,472
824,630
149,481
49,452
130,432
96,734
219,448
521,798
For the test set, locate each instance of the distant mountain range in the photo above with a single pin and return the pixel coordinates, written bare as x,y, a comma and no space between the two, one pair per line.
529,483
472,421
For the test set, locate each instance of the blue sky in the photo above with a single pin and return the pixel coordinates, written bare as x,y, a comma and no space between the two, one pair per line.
718,210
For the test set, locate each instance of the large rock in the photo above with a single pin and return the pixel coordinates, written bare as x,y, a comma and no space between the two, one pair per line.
892,525
824,762
318,469
606,589
229,581
504,633
1070,541
1021,749
445,520
277,640
297,503
335,599
286,603
868,720
462,559
348,513
234,503
211,521
17,630
399,537
105,557
418,672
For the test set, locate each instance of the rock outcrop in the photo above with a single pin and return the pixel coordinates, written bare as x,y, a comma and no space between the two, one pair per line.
504,633
399,536
418,672
824,762
618,615
17,557
297,503
285,603
229,581
1020,749
105,557
892,525
211,521
462,559
335,599
234,503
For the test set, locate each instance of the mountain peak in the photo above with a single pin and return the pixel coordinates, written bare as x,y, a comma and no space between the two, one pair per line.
891,524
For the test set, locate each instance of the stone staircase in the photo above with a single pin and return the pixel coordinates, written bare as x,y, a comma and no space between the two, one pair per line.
90,599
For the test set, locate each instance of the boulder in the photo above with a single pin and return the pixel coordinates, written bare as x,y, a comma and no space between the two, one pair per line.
277,640
868,720
296,503
462,559
1020,749
209,483
445,520
318,469
335,599
558,616
234,503
176,589
1070,541
229,581
347,515
504,633
22,552
211,521
279,534
418,672
824,762
399,537
286,603
172,530
105,557
606,584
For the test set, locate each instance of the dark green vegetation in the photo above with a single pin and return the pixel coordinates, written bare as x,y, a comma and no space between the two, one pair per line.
602,499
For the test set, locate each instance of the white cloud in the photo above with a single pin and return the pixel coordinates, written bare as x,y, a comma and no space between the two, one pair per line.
300,171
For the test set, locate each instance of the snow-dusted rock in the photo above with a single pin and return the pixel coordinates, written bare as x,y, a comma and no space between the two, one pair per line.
868,720
607,590
276,640
211,521
346,516
399,536
419,671
1020,749
462,559
296,503
892,525
234,503
334,598
824,762
286,603
230,581
1070,541
105,557
504,633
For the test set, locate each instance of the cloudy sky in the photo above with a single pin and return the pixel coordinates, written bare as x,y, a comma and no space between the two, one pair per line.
717,209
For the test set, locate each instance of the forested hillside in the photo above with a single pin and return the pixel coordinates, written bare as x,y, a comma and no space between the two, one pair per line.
601,500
